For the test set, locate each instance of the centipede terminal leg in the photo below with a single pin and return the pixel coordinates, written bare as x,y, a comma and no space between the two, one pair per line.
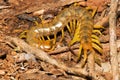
43,38
79,53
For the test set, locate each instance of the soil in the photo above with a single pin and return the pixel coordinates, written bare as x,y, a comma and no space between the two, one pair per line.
16,16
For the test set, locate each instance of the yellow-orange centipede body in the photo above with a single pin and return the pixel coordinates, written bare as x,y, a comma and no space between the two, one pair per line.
79,19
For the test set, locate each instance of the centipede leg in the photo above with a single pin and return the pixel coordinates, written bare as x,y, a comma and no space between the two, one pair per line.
94,11
36,23
52,45
42,20
62,31
40,39
74,24
22,36
54,41
97,31
85,55
95,46
96,41
76,37
68,28
71,26
49,43
95,37
98,26
48,37
97,60
79,53
43,38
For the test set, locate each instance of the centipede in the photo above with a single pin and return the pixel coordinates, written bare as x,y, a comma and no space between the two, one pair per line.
77,20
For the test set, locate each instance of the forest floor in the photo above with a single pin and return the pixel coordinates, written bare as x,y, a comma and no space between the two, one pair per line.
17,62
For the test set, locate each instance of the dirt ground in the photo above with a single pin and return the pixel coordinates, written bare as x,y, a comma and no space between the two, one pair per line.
16,63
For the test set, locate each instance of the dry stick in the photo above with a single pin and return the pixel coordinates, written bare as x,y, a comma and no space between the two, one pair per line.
5,7
64,49
103,21
91,67
76,46
113,45
107,47
45,57
91,64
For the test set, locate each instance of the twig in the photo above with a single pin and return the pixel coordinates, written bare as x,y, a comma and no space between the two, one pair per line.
103,21
113,45
45,57
91,65
76,46
5,7
64,49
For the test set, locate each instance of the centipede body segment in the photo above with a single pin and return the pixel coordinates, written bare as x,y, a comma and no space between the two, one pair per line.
77,20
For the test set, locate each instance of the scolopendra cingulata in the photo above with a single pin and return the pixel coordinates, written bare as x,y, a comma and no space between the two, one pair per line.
78,20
